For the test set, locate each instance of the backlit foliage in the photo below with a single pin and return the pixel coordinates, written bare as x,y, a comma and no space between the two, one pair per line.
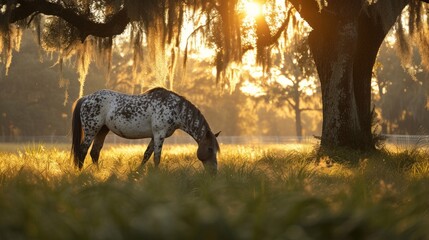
155,30
414,23
10,41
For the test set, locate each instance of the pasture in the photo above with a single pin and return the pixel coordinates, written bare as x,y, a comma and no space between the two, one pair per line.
260,192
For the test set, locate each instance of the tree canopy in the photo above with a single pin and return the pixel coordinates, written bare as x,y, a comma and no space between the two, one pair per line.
87,30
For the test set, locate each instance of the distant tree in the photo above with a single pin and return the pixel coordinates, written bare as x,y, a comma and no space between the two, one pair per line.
291,82
31,103
401,93
345,38
298,93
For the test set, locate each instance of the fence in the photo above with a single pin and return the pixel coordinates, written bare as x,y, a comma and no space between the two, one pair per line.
408,140
175,139
399,140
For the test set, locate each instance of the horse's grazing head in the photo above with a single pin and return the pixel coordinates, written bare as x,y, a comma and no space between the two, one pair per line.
208,148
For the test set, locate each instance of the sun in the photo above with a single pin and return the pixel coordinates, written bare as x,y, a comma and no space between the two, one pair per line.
252,9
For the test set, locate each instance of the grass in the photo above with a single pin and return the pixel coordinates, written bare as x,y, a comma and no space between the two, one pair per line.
260,192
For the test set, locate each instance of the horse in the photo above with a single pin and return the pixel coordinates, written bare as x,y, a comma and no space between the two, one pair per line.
155,114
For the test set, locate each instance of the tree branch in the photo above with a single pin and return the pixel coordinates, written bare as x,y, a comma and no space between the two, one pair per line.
201,27
276,36
267,39
114,26
290,103
382,21
309,10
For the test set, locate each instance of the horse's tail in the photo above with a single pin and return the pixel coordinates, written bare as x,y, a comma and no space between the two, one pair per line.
77,133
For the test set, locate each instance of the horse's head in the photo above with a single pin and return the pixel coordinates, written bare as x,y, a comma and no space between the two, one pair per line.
208,148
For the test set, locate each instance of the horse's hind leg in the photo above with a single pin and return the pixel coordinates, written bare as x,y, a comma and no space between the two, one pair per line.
98,144
148,152
84,146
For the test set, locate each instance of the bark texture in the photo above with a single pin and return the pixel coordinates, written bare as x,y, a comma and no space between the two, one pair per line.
333,55
344,41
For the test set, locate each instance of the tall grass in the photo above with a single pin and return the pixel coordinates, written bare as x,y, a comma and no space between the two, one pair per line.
260,192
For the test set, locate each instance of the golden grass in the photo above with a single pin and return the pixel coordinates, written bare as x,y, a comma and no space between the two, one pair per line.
260,192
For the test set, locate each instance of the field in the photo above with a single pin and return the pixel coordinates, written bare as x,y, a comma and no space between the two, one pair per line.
260,192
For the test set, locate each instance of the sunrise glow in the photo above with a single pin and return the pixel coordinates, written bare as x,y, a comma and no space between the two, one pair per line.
252,89
252,9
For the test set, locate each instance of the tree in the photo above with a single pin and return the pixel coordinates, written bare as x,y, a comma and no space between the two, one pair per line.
291,82
401,93
344,40
30,102
298,68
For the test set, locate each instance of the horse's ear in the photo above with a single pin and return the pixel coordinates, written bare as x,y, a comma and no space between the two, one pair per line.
217,134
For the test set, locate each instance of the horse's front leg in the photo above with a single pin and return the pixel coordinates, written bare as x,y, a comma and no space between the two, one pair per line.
158,141
147,153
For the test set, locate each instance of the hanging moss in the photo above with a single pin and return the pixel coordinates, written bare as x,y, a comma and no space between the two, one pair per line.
155,28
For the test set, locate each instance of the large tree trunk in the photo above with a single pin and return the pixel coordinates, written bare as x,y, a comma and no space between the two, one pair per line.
345,76
344,41
370,37
333,54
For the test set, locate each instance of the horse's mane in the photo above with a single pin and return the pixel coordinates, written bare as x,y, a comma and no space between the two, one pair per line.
158,89
163,94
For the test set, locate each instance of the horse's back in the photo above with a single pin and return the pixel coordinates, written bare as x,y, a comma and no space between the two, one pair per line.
133,116
126,115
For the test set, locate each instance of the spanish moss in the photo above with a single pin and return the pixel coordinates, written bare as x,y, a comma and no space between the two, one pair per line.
85,31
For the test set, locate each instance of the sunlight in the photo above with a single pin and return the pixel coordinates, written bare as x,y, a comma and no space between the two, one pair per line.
192,40
308,86
252,89
284,81
252,9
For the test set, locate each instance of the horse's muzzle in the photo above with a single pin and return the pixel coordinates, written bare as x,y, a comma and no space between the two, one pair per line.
210,167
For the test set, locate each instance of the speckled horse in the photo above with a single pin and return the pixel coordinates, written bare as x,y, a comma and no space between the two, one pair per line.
155,114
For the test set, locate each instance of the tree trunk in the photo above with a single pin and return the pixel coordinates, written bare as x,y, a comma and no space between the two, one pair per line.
344,41
297,110
345,76
298,124
333,55
344,59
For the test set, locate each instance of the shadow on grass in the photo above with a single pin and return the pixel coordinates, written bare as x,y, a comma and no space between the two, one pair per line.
400,160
